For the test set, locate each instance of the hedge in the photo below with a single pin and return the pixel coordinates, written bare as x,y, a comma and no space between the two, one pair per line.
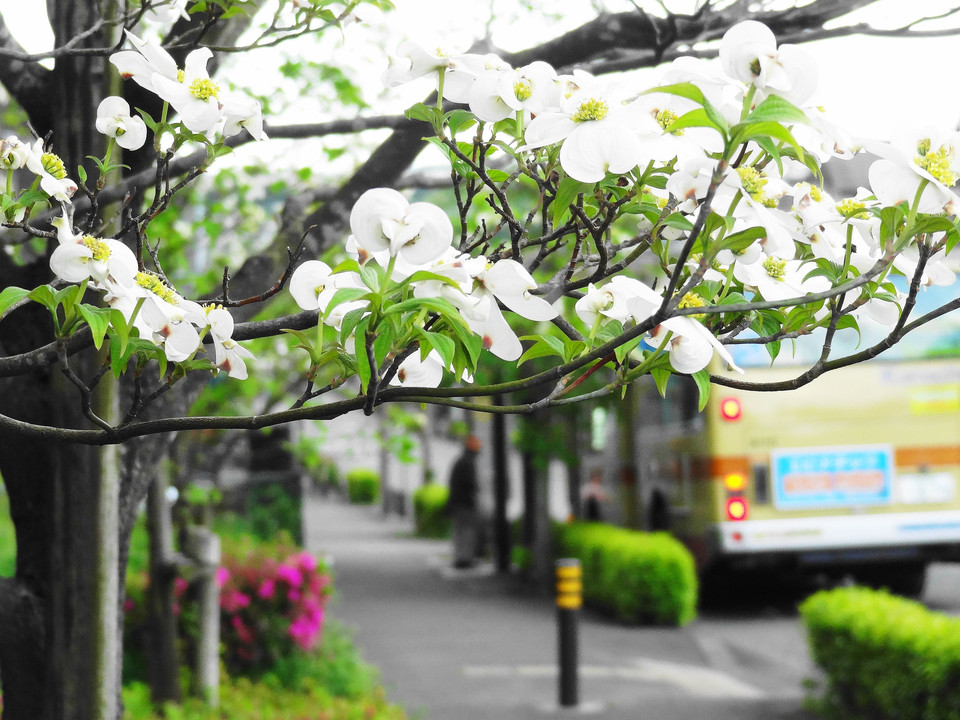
640,577
430,518
885,657
363,486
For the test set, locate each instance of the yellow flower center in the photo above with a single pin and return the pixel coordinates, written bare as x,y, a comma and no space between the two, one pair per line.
204,88
815,194
692,300
591,109
523,90
753,183
666,118
937,162
154,284
852,209
775,267
53,165
100,250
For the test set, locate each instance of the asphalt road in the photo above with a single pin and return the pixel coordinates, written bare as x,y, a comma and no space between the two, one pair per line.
466,645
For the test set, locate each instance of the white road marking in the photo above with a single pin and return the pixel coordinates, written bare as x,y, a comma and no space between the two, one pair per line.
693,679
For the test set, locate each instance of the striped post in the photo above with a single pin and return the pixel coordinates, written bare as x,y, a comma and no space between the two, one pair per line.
569,600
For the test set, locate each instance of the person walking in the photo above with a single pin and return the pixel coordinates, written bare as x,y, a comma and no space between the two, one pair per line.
593,497
462,504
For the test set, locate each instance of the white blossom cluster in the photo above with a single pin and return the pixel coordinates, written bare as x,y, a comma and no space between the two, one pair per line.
618,126
409,237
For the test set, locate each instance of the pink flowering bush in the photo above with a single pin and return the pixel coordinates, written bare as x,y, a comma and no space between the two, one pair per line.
272,602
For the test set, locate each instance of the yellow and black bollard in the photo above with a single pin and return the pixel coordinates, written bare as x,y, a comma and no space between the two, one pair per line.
569,600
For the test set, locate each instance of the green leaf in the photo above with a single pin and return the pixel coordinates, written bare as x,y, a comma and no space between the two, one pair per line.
10,297
445,347
692,92
621,351
775,109
350,322
345,295
305,343
543,346
661,376
370,277
458,120
383,342
738,241
679,221
427,113
744,132
438,305
121,329
98,319
567,193
363,364
702,379
695,118
426,276
46,296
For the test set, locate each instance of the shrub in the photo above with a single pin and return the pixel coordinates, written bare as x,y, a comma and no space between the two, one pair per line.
430,517
272,602
884,657
8,539
272,508
363,486
640,577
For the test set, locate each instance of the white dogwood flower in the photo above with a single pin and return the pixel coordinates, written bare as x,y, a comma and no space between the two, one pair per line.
382,219
749,53
115,121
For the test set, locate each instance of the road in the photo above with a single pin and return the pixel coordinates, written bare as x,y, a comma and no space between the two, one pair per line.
466,645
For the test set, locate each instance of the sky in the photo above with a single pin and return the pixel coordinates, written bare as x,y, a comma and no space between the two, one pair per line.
871,84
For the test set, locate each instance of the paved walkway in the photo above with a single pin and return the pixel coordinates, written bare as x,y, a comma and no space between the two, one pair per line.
467,645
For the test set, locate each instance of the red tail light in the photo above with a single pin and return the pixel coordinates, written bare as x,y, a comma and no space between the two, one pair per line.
730,409
737,508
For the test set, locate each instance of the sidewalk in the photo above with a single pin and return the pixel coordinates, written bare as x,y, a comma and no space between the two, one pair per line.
468,645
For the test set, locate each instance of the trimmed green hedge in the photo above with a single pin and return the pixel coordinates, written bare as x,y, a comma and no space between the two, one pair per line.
430,518
640,577
885,657
363,486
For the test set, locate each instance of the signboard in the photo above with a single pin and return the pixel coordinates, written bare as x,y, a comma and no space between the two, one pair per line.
832,477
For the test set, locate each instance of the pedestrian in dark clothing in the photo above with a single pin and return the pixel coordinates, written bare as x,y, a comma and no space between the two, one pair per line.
593,496
462,504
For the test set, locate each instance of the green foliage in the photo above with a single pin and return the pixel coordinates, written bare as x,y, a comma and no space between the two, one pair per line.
640,577
315,696
8,539
885,657
363,486
430,518
271,509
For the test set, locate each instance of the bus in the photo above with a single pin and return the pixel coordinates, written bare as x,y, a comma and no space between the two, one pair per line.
856,473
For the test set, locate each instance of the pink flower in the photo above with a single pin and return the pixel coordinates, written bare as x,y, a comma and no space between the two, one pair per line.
128,605
233,601
266,589
306,561
222,576
244,633
290,575
293,595
180,586
304,632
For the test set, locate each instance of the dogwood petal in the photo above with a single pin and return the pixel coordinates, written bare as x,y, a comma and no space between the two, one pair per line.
368,213
307,282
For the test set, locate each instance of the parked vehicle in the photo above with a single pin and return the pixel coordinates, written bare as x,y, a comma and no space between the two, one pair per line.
855,472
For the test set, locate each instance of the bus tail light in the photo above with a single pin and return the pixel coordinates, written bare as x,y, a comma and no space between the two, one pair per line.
730,408
737,508
734,482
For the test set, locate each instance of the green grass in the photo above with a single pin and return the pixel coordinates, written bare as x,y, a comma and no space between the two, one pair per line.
8,540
